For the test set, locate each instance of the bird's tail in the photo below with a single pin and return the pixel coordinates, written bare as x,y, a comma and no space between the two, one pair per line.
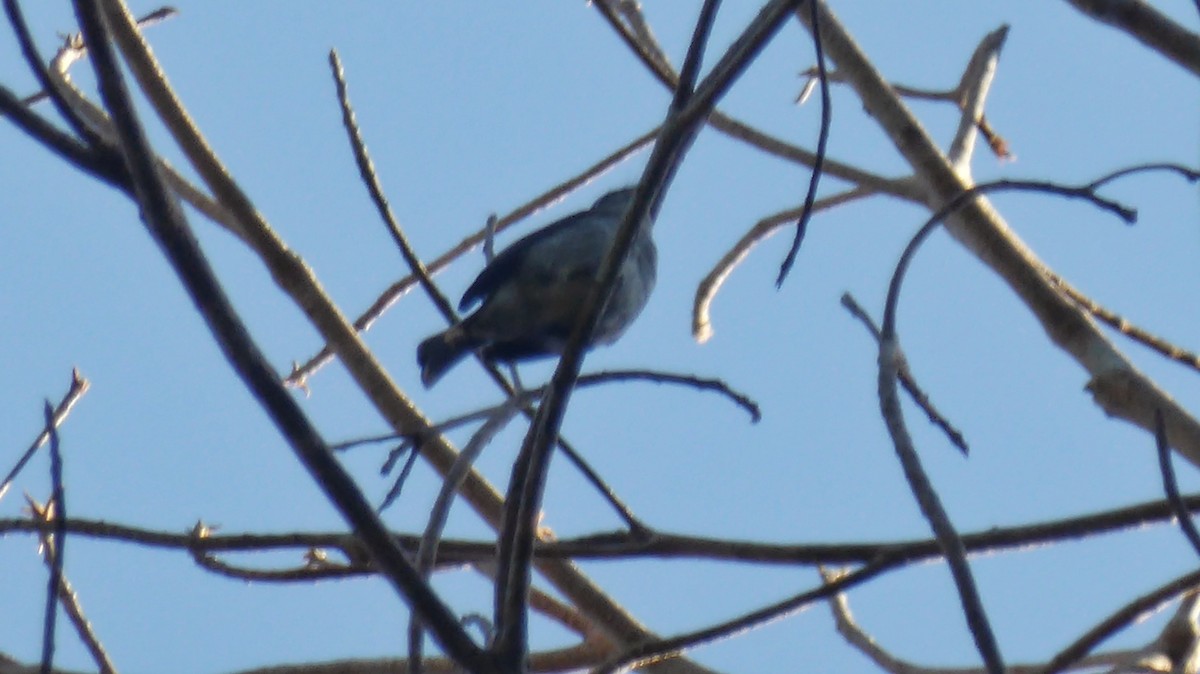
440,352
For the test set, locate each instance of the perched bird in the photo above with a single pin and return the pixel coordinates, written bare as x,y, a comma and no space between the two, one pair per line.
533,290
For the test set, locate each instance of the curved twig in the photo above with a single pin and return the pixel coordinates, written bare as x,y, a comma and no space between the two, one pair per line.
1170,486
707,290
819,161
889,363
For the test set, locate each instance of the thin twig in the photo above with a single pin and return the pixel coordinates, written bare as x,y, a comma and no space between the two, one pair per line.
651,651
303,574
819,161
46,516
1170,486
706,290
836,76
37,65
76,42
75,391
366,169
439,514
1123,617
411,454
691,381
55,546
857,637
929,502
970,95
1125,327
585,381
914,390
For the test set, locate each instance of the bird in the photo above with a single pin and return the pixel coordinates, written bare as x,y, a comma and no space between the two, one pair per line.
530,295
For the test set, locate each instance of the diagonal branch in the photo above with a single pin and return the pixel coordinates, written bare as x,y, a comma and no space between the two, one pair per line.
79,386
1149,26
640,42
528,481
164,218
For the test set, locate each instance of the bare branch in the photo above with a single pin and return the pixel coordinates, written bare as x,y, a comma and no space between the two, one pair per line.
626,545
971,93
366,169
1171,487
166,222
56,514
927,498
819,162
526,486
1125,327
1124,617
439,514
706,292
864,643
908,381
78,387
62,144
1149,26
648,53
650,651
49,519
1119,388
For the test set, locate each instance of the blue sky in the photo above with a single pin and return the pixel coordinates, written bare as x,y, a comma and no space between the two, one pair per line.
473,109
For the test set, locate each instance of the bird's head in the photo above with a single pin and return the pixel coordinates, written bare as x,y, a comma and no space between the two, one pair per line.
615,202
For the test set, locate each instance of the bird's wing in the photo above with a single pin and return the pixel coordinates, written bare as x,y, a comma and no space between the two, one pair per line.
509,261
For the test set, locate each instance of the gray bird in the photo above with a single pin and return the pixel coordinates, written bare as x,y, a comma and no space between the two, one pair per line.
533,290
